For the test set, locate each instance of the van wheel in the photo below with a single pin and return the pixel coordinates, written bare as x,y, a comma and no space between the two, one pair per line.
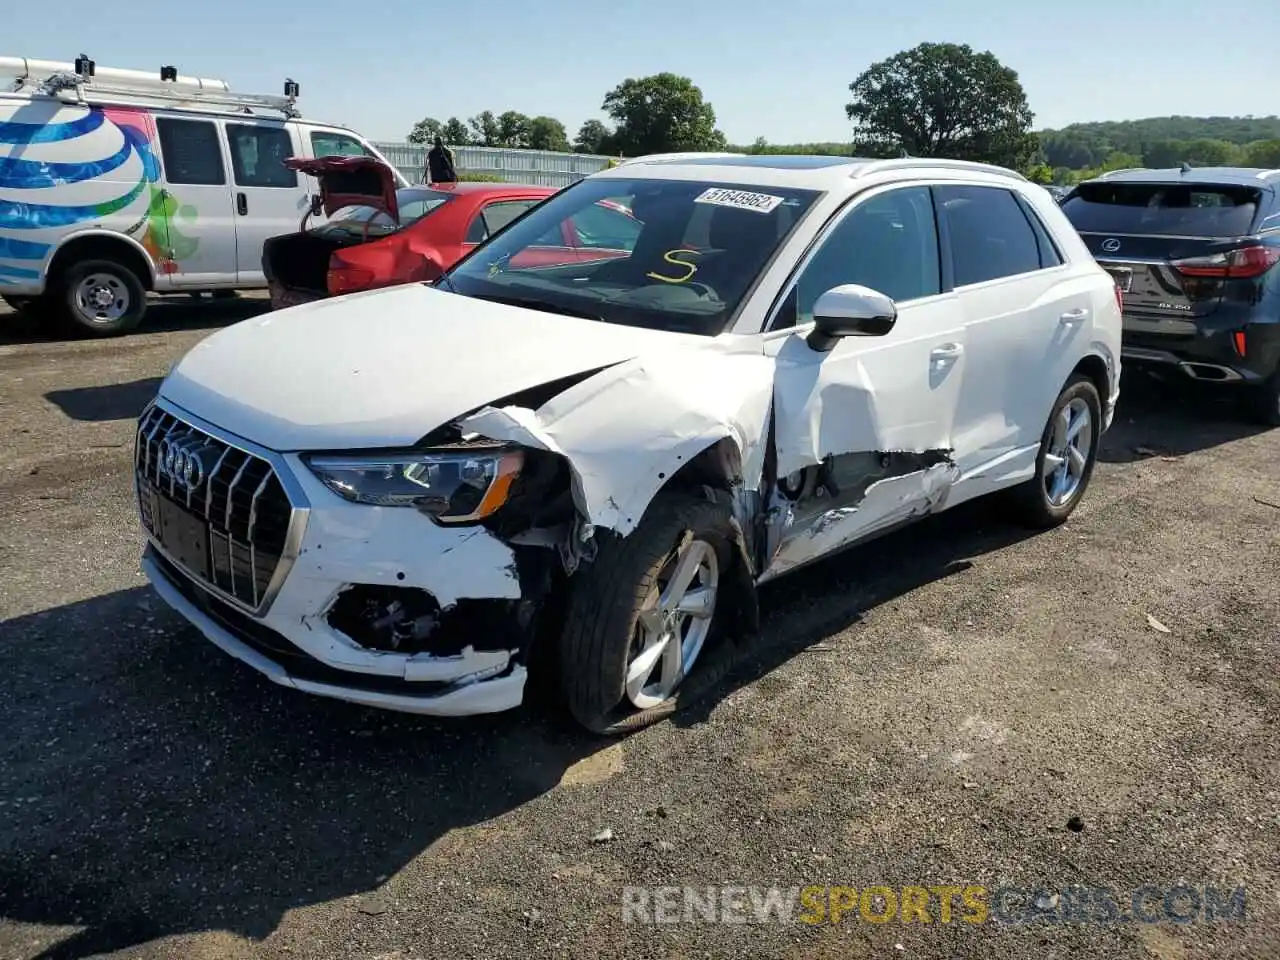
641,614
1064,465
102,298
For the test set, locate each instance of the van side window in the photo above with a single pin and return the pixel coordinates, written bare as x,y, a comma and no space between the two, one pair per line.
325,143
258,155
190,152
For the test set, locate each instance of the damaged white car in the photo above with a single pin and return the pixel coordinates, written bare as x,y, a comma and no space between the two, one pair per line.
413,497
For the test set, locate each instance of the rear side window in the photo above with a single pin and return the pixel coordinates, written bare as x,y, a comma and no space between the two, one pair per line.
990,234
191,152
1182,210
494,217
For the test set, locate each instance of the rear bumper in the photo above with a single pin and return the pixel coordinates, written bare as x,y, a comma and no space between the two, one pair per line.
1206,356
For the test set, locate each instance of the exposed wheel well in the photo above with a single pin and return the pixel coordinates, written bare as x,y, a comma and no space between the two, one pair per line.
718,466
1095,368
99,247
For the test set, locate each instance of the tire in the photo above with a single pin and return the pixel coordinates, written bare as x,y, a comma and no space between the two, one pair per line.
1263,402
1037,502
88,279
604,630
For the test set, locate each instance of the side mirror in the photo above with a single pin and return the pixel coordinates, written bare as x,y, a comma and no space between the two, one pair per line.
850,310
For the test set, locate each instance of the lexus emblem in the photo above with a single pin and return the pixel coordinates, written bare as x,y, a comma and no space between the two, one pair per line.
181,461
1110,245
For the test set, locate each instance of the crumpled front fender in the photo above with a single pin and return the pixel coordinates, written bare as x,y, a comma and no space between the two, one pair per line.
628,430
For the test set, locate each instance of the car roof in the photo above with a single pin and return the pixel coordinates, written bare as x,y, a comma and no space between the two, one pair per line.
467,188
1235,176
788,170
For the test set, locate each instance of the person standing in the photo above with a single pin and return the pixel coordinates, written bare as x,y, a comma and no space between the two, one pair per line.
440,165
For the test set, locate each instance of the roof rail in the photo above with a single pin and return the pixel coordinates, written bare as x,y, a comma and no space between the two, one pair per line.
685,155
86,82
1108,173
901,163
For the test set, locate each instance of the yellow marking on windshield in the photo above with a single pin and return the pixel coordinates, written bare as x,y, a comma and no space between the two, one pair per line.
671,258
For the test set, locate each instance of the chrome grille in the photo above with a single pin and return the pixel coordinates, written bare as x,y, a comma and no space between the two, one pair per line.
224,519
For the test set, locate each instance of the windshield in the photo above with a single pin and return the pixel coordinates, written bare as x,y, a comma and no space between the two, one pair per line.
414,203
1187,210
666,254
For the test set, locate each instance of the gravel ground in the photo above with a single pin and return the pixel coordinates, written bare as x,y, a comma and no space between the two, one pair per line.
931,709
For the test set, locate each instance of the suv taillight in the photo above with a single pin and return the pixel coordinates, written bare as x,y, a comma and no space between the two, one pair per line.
1119,298
1241,263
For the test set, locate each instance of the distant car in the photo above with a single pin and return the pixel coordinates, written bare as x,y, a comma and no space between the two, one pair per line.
1057,192
1194,252
419,497
379,234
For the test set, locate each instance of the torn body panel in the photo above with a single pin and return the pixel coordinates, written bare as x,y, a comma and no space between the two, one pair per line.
618,460
850,497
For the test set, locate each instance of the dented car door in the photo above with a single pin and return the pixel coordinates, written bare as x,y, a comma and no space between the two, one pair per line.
863,433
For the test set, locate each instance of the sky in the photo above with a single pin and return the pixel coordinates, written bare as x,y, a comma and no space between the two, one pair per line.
776,70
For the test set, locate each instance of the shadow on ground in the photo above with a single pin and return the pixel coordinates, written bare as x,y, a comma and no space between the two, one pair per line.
164,314
115,401
1171,418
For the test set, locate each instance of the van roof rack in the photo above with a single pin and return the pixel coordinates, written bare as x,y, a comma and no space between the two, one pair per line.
87,82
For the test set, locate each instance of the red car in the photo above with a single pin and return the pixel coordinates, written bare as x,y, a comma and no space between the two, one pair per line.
378,235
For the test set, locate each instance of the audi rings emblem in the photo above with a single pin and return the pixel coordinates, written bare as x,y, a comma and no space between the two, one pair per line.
182,463
1110,245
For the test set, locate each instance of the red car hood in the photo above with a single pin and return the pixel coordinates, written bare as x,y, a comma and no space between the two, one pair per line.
349,181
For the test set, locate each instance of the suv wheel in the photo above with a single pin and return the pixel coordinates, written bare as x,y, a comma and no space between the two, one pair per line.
643,612
102,298
1068,452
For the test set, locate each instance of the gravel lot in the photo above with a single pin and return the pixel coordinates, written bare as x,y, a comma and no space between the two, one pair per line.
930,709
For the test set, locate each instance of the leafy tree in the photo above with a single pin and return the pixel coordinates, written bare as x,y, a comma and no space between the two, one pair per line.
1040,173
942,100
661,113
456,132
484,129
547,133
1261,153
513,130
425,130
593,137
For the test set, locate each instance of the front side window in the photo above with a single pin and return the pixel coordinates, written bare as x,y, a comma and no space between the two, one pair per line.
258,155
325,143
698,248
989,233
1163,209
605,226
888,242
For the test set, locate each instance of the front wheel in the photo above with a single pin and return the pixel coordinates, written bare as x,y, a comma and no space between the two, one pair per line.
1068,452
102,298
643,612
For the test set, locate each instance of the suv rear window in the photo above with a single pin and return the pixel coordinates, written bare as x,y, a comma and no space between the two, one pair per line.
1186,210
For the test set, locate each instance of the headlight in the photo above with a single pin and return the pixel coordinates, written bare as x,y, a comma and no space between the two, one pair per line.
453,486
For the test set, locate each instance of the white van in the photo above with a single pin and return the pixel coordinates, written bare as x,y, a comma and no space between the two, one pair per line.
117,182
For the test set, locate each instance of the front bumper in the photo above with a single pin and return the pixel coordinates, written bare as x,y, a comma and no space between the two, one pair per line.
333,550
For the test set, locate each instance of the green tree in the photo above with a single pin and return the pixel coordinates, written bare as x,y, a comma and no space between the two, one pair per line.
1040,173
660,114
547,133
1261,153
942,100
425,130
593,137
456,132
484,129
513,130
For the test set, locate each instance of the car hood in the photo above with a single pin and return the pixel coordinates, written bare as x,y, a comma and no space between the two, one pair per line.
385,367
351,181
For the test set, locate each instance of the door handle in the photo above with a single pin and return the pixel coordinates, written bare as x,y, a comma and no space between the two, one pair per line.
946,353
242,204
1073,316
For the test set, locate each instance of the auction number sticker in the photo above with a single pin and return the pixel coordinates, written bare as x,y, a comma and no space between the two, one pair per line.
739,199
